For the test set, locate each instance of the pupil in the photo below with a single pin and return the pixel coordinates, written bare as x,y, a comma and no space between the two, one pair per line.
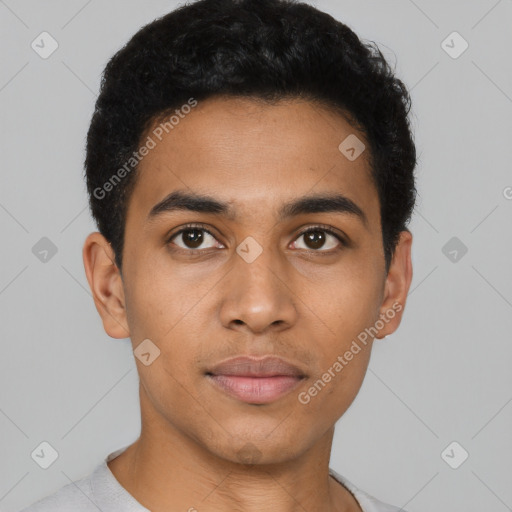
315,239
193,238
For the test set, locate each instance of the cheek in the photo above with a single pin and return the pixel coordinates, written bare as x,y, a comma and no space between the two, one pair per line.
345,305
171,379
328,394
160,299
169,370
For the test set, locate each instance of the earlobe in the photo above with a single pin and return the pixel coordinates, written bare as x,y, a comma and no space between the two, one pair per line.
398,282
106,284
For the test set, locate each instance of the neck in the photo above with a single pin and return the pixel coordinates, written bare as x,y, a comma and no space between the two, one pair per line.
167,470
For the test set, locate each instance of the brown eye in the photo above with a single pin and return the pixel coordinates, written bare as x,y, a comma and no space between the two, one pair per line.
314,239
193,238
318,239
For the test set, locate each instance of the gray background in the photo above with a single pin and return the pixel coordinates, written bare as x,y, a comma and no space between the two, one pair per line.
444,376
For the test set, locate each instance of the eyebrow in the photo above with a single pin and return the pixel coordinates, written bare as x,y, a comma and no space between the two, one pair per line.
317,203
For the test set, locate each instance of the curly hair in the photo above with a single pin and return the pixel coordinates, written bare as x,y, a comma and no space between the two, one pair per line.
262,49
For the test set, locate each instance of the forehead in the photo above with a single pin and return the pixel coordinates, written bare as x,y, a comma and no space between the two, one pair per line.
254,156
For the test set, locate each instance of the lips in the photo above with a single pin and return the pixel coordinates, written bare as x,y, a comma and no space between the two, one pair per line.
255,380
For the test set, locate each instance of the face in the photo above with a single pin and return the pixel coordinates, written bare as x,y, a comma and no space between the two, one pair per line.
228,255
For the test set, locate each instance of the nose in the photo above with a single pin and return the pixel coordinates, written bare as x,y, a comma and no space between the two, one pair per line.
258,296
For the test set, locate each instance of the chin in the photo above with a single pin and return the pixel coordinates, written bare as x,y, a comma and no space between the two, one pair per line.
260,448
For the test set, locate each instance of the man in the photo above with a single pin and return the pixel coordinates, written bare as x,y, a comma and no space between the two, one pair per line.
250,168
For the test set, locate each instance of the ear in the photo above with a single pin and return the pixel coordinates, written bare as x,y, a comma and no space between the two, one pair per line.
398,282
106,284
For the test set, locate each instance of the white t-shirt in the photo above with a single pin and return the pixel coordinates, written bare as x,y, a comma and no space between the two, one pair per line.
101,491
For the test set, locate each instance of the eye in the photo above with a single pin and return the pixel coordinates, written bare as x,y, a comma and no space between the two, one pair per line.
317,238
194,238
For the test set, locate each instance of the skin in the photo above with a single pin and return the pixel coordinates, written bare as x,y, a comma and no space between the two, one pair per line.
200,448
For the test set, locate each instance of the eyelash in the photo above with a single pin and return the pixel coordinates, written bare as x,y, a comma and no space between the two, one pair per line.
319,227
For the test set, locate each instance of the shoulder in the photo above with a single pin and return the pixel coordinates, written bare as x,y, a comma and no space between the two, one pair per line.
367,503
76,496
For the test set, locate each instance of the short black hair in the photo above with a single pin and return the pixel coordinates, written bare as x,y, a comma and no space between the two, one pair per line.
267,50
